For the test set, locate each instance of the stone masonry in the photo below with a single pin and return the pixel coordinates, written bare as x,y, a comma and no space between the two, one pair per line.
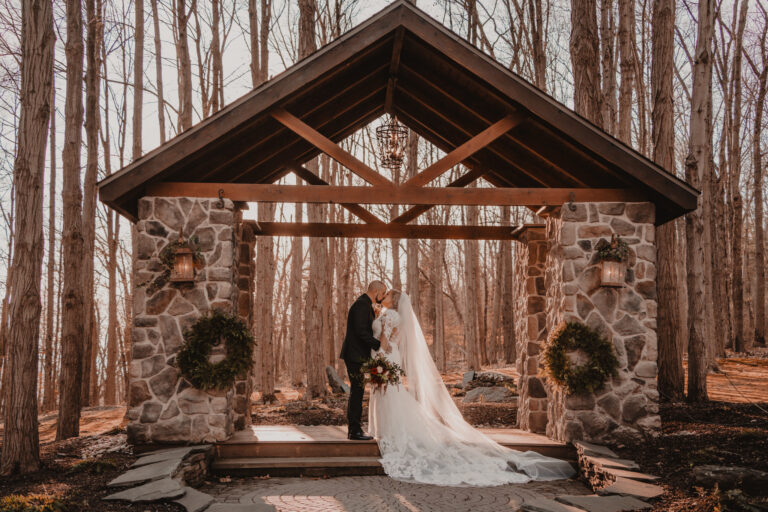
530,328
627,406
162,407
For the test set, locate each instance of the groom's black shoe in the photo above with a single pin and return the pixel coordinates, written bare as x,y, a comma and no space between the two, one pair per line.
359,436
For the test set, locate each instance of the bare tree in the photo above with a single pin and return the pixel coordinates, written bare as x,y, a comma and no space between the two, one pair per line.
628,66
20,452
181,21
669,340
757,165
696,168
49,400
584,47
73,313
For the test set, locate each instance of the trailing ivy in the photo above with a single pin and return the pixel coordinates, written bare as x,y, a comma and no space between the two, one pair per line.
588,377
209,331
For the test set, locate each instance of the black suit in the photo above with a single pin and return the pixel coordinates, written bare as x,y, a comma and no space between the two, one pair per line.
357,347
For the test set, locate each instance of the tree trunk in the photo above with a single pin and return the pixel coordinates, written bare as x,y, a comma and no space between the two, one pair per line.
158,72
438,333
585,60
696,168
539,56
412,246
49,389
92,123
757,165
507,297
296,340
185,65
20,452
471,313
734,189
608,58
628,65
73,312
670,356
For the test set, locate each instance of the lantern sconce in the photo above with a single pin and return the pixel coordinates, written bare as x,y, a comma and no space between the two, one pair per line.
613,262
183,270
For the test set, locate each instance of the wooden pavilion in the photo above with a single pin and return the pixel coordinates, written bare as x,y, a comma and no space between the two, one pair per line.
532,149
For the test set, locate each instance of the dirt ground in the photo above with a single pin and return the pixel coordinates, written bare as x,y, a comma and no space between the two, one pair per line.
731,430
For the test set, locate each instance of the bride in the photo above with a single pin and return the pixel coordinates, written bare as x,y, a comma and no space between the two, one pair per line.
422,436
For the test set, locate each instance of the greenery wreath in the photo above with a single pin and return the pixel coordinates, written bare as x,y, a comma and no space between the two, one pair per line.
209,331
587,377
615,250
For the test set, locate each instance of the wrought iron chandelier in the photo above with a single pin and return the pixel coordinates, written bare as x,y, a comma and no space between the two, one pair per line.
391,137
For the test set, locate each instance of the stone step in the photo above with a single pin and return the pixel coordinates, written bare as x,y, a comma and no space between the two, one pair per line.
346,448
628,487
298,466
604,503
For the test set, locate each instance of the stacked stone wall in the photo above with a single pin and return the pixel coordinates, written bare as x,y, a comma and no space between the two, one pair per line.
530,328
162,406
627,406
246,270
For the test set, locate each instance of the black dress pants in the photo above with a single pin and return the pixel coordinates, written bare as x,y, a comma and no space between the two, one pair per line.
355,403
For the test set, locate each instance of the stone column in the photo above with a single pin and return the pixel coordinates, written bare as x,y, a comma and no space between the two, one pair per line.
530,328
162,407
627,405
246,270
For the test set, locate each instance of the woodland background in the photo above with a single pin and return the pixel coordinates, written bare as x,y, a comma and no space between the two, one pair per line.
682,83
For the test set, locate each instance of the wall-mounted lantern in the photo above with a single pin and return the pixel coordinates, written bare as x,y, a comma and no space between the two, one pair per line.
183,270
613,257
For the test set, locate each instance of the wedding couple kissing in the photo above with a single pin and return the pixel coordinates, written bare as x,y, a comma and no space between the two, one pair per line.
421,434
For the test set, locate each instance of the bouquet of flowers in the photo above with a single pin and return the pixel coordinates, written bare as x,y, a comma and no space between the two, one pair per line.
380,372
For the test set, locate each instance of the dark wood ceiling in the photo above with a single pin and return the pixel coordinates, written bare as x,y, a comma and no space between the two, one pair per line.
441,87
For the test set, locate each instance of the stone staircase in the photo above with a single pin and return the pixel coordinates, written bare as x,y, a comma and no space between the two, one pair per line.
325,451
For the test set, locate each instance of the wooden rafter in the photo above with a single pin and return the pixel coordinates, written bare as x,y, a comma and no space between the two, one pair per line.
355,209
414,211
397,231
394,65
392,195
329,147
466,150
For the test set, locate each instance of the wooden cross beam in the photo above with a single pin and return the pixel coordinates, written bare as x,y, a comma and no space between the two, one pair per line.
355,209
496,196
464,151
329,147
396,231
414,211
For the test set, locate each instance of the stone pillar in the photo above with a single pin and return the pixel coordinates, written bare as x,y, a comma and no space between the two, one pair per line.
162,407
530,328
627,406
246,270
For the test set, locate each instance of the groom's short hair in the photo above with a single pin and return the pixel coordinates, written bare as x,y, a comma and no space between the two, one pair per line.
377,285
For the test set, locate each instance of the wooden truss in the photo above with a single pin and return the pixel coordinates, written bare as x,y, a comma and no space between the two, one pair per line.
414,192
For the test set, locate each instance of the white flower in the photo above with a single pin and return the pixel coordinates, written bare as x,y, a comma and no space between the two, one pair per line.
379,369
367,376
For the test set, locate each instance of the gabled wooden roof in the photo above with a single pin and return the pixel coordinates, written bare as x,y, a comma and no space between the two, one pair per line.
404,62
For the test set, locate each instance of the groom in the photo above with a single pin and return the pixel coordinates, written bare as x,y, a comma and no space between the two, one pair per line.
357,347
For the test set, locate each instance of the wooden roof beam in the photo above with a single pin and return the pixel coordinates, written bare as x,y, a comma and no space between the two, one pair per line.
355,209
329,147
396,231
394,65
464,151
495,196
415,211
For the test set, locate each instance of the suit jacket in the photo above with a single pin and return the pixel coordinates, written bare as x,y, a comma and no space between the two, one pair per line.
359,340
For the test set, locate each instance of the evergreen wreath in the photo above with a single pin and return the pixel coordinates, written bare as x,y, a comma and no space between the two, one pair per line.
209,331
587,377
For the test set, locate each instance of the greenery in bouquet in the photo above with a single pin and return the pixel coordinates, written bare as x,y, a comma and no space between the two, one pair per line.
615,250
381,372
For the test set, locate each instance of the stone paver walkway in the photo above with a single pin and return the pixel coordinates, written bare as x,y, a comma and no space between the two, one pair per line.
383,494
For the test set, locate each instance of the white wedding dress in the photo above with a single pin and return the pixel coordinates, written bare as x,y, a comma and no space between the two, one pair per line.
422,435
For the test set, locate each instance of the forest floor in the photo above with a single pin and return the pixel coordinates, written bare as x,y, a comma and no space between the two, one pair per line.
731,430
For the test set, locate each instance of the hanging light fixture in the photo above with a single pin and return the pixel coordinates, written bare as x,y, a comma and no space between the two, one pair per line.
391,137
614,269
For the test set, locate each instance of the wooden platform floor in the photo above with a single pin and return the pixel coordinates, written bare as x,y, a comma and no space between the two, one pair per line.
335,433
290,450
